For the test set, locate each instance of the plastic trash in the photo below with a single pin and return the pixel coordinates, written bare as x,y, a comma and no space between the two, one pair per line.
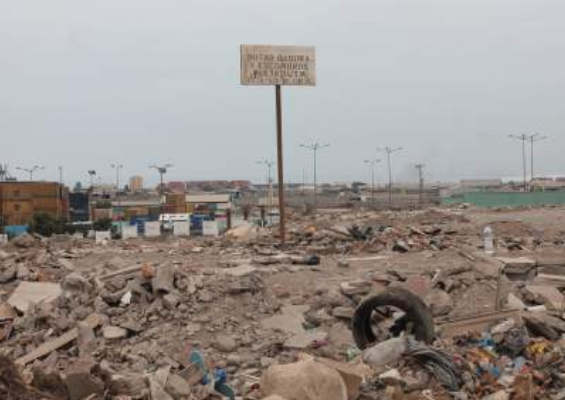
388,352
488,240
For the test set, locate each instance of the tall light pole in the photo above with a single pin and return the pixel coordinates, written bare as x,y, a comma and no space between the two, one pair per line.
269,165
162,170
60,167
420,168
315,147
536,137
389,151
372,162
117,167
92,174
523,138
31,170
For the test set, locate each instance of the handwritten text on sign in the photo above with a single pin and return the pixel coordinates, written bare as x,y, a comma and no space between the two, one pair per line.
278,65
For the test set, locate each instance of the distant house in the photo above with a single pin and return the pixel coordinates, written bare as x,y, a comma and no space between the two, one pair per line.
21,201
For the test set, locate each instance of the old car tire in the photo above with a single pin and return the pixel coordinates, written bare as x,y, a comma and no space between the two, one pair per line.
416,311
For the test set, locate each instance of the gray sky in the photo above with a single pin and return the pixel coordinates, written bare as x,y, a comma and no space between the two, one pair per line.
86,83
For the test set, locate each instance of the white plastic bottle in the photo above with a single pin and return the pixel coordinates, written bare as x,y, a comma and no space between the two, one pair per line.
488,240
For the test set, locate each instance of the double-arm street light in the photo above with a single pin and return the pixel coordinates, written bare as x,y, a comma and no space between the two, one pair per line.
31,170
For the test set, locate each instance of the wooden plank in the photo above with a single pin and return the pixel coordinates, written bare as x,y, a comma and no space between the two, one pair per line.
123,271
476,323
47,348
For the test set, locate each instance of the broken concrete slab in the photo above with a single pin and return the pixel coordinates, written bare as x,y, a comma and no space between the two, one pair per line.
343,312
164,279
547,295
302,341
93,321
241,270
81,384
514,303
356,287
34,293
225,343
114,332
543,324
440,302
157,390
519,264
353,375
420,285
521,268
284,323
178,387
304,380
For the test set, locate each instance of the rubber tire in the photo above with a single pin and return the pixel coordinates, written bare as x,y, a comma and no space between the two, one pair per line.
416,311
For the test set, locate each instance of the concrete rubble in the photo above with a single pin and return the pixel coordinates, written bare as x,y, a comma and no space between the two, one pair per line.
239,317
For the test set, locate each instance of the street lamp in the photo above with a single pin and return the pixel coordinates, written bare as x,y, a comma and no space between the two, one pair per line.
92,174
269,165
372,163
117,167
315,147
389,151
31,170
536,137
523,138
162,169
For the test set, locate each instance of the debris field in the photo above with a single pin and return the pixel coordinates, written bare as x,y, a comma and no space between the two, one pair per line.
357,305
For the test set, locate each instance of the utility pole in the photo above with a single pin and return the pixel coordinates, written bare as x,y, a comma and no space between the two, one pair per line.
523,138
269,165
162,169
372,163
31,170
536,137
389,151
60,174
420,168
315,147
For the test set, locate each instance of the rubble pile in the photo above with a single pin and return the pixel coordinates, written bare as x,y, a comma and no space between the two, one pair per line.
240,317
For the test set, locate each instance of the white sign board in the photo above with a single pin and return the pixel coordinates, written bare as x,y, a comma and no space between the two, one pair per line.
278,65
102,237
129,232
152,229
210,228
181,228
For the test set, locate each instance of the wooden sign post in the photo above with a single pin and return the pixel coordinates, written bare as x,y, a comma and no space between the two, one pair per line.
263,65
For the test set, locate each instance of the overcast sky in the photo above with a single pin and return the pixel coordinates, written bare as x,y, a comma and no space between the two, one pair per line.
87,83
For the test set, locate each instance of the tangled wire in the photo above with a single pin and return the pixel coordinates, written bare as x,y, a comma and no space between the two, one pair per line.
438,362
